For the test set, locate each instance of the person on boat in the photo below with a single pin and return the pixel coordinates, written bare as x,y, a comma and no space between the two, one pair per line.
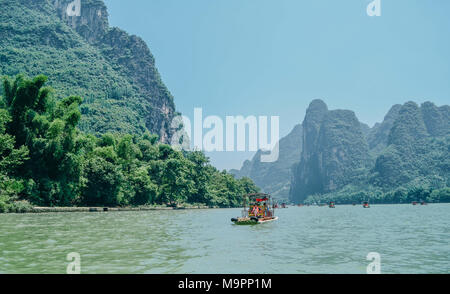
260,211
255,210
266,210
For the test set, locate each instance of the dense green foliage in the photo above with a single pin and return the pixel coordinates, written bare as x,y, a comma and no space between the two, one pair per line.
351,194
10,159
46,160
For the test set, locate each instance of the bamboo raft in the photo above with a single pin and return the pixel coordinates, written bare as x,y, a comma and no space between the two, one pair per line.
260,210
253,220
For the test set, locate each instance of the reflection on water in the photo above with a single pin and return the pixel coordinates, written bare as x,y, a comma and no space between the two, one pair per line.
410,239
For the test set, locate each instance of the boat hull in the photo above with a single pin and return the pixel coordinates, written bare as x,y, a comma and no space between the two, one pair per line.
252,221
261,221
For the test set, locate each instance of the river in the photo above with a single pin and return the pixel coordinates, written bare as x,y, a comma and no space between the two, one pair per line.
409,239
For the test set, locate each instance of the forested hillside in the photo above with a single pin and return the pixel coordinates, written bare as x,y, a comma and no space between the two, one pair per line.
114,72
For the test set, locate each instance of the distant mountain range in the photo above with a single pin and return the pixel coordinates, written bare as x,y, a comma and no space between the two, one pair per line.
274,178
114,72
332,155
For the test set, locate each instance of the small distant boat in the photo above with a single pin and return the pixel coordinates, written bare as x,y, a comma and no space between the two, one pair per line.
423,203
414,203
331,205
259,210
366,204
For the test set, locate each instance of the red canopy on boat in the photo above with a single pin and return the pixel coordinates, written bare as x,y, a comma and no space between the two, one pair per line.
261,200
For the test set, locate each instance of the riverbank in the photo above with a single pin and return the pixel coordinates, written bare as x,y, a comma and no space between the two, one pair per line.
110,209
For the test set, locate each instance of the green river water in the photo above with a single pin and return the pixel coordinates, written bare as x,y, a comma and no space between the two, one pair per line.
409,239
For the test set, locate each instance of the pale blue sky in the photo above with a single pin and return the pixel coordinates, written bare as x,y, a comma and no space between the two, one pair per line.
272,57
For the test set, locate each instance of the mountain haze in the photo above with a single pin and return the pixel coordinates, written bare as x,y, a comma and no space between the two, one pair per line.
274,177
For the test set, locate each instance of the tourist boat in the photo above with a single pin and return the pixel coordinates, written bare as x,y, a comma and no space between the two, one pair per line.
260,210
366,204
331,205
423,203
414,203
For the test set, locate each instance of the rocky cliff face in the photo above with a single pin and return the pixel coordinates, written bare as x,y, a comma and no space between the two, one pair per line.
315,114
334,150
306,178
130,55
91,24
133,58
274,178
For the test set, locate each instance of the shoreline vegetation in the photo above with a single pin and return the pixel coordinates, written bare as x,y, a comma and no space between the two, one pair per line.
116,209
47,161
401,195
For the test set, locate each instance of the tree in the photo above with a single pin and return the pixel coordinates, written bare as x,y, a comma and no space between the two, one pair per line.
48,130
103,183
201,176
10,159
176,182
144,190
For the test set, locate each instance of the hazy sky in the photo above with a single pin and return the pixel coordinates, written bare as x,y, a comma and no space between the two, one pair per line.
272,57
